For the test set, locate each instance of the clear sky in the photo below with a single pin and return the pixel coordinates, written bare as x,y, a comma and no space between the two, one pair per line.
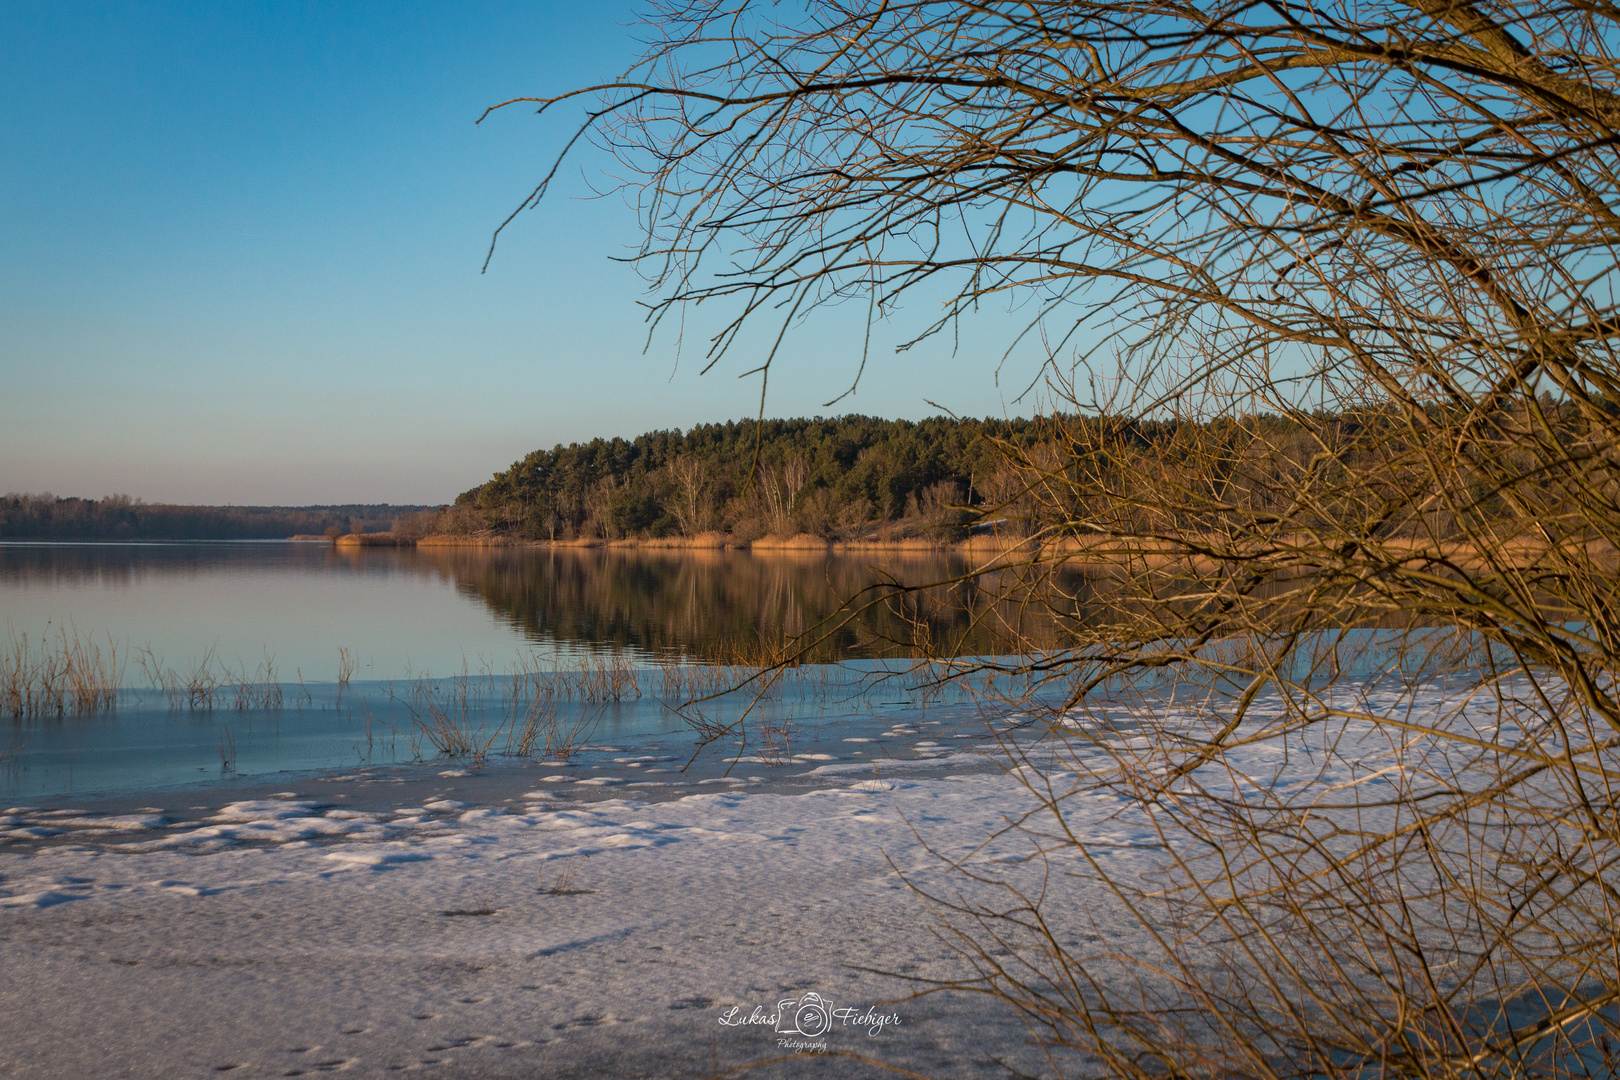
240,249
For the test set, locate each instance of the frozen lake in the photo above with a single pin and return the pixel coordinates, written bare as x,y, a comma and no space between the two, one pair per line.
265,629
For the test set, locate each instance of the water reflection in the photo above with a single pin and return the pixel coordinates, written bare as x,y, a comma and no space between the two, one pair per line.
705,602
431,607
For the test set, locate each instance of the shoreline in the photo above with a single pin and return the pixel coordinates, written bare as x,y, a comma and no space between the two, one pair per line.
802,543
1090,552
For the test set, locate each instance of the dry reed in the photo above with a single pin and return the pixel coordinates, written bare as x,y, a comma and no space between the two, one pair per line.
64,673
467,717
562,884
204,679
775,741
260,691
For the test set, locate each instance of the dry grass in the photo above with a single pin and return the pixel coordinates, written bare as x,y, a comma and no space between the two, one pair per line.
750,674
679,680
483,904
594,678
57,674
261,690
453,716
767,666
205,679
775,741
545,732
474,716
563,883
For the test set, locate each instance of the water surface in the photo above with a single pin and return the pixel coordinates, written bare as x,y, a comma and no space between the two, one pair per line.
279,613
404,611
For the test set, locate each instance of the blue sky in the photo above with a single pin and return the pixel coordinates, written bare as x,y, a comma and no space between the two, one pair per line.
240,248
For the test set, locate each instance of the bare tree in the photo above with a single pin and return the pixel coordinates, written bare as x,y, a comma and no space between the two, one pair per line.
599,509
691,492
779,490
1329,290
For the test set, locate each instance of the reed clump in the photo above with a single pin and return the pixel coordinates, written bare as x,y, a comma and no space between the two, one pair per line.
452,717
761,671
767,667
681,679
207,678
597,678
57,674
479,714
775,741
562,884
261,690
469,717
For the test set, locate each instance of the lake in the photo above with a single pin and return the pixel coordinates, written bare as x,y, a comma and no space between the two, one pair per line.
420,627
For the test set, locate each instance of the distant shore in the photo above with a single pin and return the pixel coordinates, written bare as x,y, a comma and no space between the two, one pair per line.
1078,551
710,541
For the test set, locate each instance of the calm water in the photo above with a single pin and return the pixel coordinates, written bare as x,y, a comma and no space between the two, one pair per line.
405,611
280,612
447,629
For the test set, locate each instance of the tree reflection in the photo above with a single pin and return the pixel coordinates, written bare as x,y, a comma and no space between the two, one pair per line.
706,602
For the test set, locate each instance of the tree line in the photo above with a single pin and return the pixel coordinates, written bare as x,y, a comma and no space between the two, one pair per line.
848,477
864,478
44,516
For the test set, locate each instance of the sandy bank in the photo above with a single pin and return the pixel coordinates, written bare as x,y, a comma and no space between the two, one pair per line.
381,539
718,541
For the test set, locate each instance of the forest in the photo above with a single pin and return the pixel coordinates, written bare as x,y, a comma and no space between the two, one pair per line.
119,517
859,478
845,478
